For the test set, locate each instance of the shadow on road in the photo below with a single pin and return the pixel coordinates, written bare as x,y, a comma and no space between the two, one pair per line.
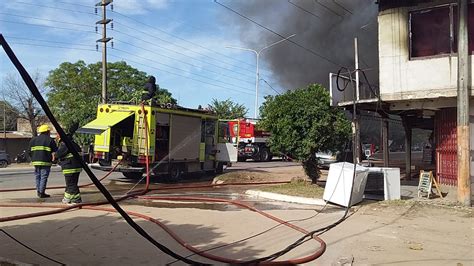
86,237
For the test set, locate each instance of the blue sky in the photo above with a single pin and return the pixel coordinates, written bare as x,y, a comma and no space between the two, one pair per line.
181,42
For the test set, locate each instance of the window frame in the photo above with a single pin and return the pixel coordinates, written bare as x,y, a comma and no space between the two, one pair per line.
451,32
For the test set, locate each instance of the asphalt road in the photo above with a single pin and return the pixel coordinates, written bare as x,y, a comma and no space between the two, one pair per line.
14,177
24,177
117,184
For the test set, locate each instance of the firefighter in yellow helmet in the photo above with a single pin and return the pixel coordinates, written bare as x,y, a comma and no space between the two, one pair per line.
71,169
42,149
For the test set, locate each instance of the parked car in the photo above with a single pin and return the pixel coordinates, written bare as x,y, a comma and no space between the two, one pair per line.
4,159
326,158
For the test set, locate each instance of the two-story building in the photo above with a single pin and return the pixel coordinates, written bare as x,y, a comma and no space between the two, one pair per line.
418,81
418,73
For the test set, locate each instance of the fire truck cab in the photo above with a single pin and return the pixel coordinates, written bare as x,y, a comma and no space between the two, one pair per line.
250,141
175,140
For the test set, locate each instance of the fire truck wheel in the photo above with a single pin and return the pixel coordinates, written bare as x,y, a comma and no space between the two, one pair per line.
133,175
219,168
265,155
175,173
104,162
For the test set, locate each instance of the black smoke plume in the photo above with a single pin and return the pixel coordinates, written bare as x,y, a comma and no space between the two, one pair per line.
327,27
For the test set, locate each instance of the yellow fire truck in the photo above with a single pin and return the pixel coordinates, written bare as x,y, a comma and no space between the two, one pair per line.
176,140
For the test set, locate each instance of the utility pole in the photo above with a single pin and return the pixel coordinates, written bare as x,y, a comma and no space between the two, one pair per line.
408,139
464,179
355,126
104,21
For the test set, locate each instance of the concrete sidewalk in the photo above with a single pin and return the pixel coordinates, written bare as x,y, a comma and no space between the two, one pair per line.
401,233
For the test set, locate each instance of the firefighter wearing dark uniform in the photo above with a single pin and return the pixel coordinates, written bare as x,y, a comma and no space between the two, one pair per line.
71,169
42,149
150,89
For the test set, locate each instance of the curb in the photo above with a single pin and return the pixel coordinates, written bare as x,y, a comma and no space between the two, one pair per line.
285,198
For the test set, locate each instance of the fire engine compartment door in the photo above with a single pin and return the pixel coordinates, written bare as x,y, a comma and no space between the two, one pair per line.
226,152
185,136
104,122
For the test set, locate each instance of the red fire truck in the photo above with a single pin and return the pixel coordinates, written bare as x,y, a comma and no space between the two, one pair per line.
251,142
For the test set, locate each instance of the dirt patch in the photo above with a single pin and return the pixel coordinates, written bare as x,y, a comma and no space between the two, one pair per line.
297,187
262,172
244,176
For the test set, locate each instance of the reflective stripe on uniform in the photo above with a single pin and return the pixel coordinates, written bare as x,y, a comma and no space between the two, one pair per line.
39,163
40,148
72,196
69,155
72,171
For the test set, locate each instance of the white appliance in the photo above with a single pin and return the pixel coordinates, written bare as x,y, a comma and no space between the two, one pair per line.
339,184
383,183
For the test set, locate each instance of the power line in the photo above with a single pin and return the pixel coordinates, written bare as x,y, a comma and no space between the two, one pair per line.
179,69
47,26
44,19
154,37
179,75
74,4
136,62
54,46
39,40
63,47
327,8
299,7
183,62
270,86
58,8
171,50
182,47
179,38
137,21
343,7
134,29
183,23
65,22
278,34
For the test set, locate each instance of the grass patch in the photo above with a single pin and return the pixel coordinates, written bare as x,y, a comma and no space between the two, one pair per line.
298,187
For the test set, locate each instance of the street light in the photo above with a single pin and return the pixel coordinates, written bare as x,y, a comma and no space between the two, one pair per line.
257,76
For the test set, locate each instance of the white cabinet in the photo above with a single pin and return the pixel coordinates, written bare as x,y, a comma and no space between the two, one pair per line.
339,184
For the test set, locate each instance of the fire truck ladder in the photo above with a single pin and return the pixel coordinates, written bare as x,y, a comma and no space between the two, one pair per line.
142,139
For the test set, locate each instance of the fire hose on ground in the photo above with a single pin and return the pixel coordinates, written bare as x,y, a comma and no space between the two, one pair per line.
126,214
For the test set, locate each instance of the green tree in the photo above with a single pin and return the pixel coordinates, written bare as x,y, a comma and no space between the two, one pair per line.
75,89
302,123
228,109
